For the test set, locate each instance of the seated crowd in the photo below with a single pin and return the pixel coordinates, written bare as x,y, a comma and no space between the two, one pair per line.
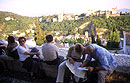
103,64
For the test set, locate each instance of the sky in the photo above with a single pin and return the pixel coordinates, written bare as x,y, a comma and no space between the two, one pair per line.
49,7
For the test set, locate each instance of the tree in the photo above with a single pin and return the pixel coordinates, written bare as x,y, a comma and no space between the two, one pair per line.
98,40
1,36
92,36
39,35
82,15
114,39
80,40
26,34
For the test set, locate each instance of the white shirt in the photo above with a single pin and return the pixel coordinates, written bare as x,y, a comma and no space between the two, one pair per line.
22,50
49,51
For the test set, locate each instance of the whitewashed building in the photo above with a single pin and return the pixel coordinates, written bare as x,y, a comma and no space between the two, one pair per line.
126,43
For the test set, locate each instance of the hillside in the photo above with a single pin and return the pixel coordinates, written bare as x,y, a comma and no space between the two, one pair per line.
10,22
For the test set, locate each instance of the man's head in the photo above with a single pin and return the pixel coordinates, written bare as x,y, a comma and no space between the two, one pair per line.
79,48
49,38
89,50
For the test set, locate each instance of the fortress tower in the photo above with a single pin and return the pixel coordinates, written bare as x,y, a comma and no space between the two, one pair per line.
114,10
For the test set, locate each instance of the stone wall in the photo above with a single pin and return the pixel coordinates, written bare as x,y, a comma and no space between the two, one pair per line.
123,62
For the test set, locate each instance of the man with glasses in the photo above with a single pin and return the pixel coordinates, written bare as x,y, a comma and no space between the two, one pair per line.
103,65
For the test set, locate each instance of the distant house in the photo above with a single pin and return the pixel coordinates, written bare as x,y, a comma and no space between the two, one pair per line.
83,37
15,32
90,12
55,19
76,17
9,18
60,17
70,37
112,15
58,38
68,16
40,19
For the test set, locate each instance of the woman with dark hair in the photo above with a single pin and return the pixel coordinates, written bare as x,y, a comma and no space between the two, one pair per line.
25,50
26,54
74,55
12,48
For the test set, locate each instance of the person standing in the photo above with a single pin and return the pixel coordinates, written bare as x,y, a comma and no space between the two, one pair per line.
104,64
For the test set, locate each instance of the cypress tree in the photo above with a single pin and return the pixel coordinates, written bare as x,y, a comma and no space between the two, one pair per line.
114,39
39,35
93,36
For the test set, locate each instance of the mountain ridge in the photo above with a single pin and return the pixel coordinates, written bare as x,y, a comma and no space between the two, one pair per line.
123,10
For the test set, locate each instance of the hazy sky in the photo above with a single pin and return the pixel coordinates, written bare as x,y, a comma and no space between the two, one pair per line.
46,7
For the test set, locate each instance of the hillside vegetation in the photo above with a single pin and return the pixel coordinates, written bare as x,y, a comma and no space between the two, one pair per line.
66,27
121,23
14,22
114,25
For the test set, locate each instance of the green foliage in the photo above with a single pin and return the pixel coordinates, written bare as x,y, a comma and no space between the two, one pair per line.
80,40
26,34
1,36
39,35
70,41
67,27
82,15
114,39
15,23
93,36
81,31
98,40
